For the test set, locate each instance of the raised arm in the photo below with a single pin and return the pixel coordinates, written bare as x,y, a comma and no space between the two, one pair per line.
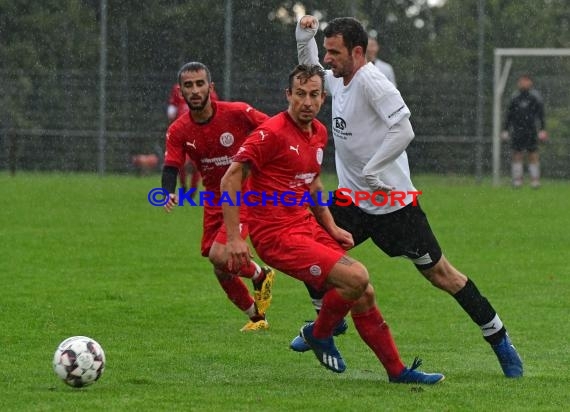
307,50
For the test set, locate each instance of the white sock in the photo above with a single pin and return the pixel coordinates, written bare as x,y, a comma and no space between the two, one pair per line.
534,171
517,170
317,304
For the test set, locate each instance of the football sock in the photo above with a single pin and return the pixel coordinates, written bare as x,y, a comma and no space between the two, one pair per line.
251,271
517,171
316,297
237,292
334,309
254,316
534,171
481,312
375,332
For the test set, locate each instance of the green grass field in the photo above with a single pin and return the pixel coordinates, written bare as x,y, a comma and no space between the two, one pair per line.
83,255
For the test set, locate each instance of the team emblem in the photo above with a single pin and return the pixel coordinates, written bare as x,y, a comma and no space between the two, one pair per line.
315,270
227,139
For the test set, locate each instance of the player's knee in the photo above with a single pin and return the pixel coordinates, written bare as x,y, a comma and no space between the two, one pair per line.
359,280
217,259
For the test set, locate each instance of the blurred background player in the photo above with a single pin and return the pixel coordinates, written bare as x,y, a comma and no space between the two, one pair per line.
177,106
372,56
524,113
210,135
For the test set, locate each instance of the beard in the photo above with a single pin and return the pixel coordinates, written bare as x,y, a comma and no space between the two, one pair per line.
198,107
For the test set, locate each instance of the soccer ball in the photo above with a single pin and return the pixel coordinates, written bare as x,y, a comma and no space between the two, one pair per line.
79,361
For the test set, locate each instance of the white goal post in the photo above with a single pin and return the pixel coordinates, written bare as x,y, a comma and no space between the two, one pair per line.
501,74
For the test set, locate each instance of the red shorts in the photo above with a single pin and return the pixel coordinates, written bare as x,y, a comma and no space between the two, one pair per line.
304,251
214,229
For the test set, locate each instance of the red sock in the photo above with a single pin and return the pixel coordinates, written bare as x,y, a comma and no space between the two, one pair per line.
375,333
247,271
237,292
334,308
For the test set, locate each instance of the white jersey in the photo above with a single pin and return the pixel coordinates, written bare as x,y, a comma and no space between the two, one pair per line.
362,113
386,69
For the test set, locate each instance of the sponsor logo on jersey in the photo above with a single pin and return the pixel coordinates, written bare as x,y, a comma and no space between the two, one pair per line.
218,161
395,112
339,123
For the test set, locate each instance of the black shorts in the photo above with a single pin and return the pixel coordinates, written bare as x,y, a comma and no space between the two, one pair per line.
405,232
522,142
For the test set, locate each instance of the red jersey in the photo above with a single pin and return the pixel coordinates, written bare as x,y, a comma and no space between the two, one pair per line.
211,145
283,158
177,100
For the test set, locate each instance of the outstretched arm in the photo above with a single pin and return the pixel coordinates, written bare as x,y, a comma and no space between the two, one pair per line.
307,50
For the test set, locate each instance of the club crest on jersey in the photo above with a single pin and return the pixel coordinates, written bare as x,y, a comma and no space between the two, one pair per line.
315,270
339,123
227,139
319,155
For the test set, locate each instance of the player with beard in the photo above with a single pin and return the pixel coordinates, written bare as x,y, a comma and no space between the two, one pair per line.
371,130
177,107
210,135
284,156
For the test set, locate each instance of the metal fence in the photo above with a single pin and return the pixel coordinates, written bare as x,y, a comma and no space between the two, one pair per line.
57,120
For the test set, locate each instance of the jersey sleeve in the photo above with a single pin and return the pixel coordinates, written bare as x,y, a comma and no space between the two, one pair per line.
254,116
385,99
174,155
258,149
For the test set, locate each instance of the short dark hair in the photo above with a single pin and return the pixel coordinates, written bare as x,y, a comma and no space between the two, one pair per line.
352,32
304,72
194,67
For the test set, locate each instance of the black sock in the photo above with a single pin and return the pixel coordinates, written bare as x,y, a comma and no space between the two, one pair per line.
480,311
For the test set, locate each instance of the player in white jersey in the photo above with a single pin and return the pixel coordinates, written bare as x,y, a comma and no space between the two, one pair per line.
371,130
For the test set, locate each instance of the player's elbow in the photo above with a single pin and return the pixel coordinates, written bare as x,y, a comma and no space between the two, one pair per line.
407,131
232,178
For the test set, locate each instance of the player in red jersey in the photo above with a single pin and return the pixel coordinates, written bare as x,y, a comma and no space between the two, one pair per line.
285,155
177,107
210,136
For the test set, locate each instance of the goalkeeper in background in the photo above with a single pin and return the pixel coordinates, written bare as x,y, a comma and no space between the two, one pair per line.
524,114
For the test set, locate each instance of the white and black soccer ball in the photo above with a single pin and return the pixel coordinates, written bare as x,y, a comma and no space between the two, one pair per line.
79,361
